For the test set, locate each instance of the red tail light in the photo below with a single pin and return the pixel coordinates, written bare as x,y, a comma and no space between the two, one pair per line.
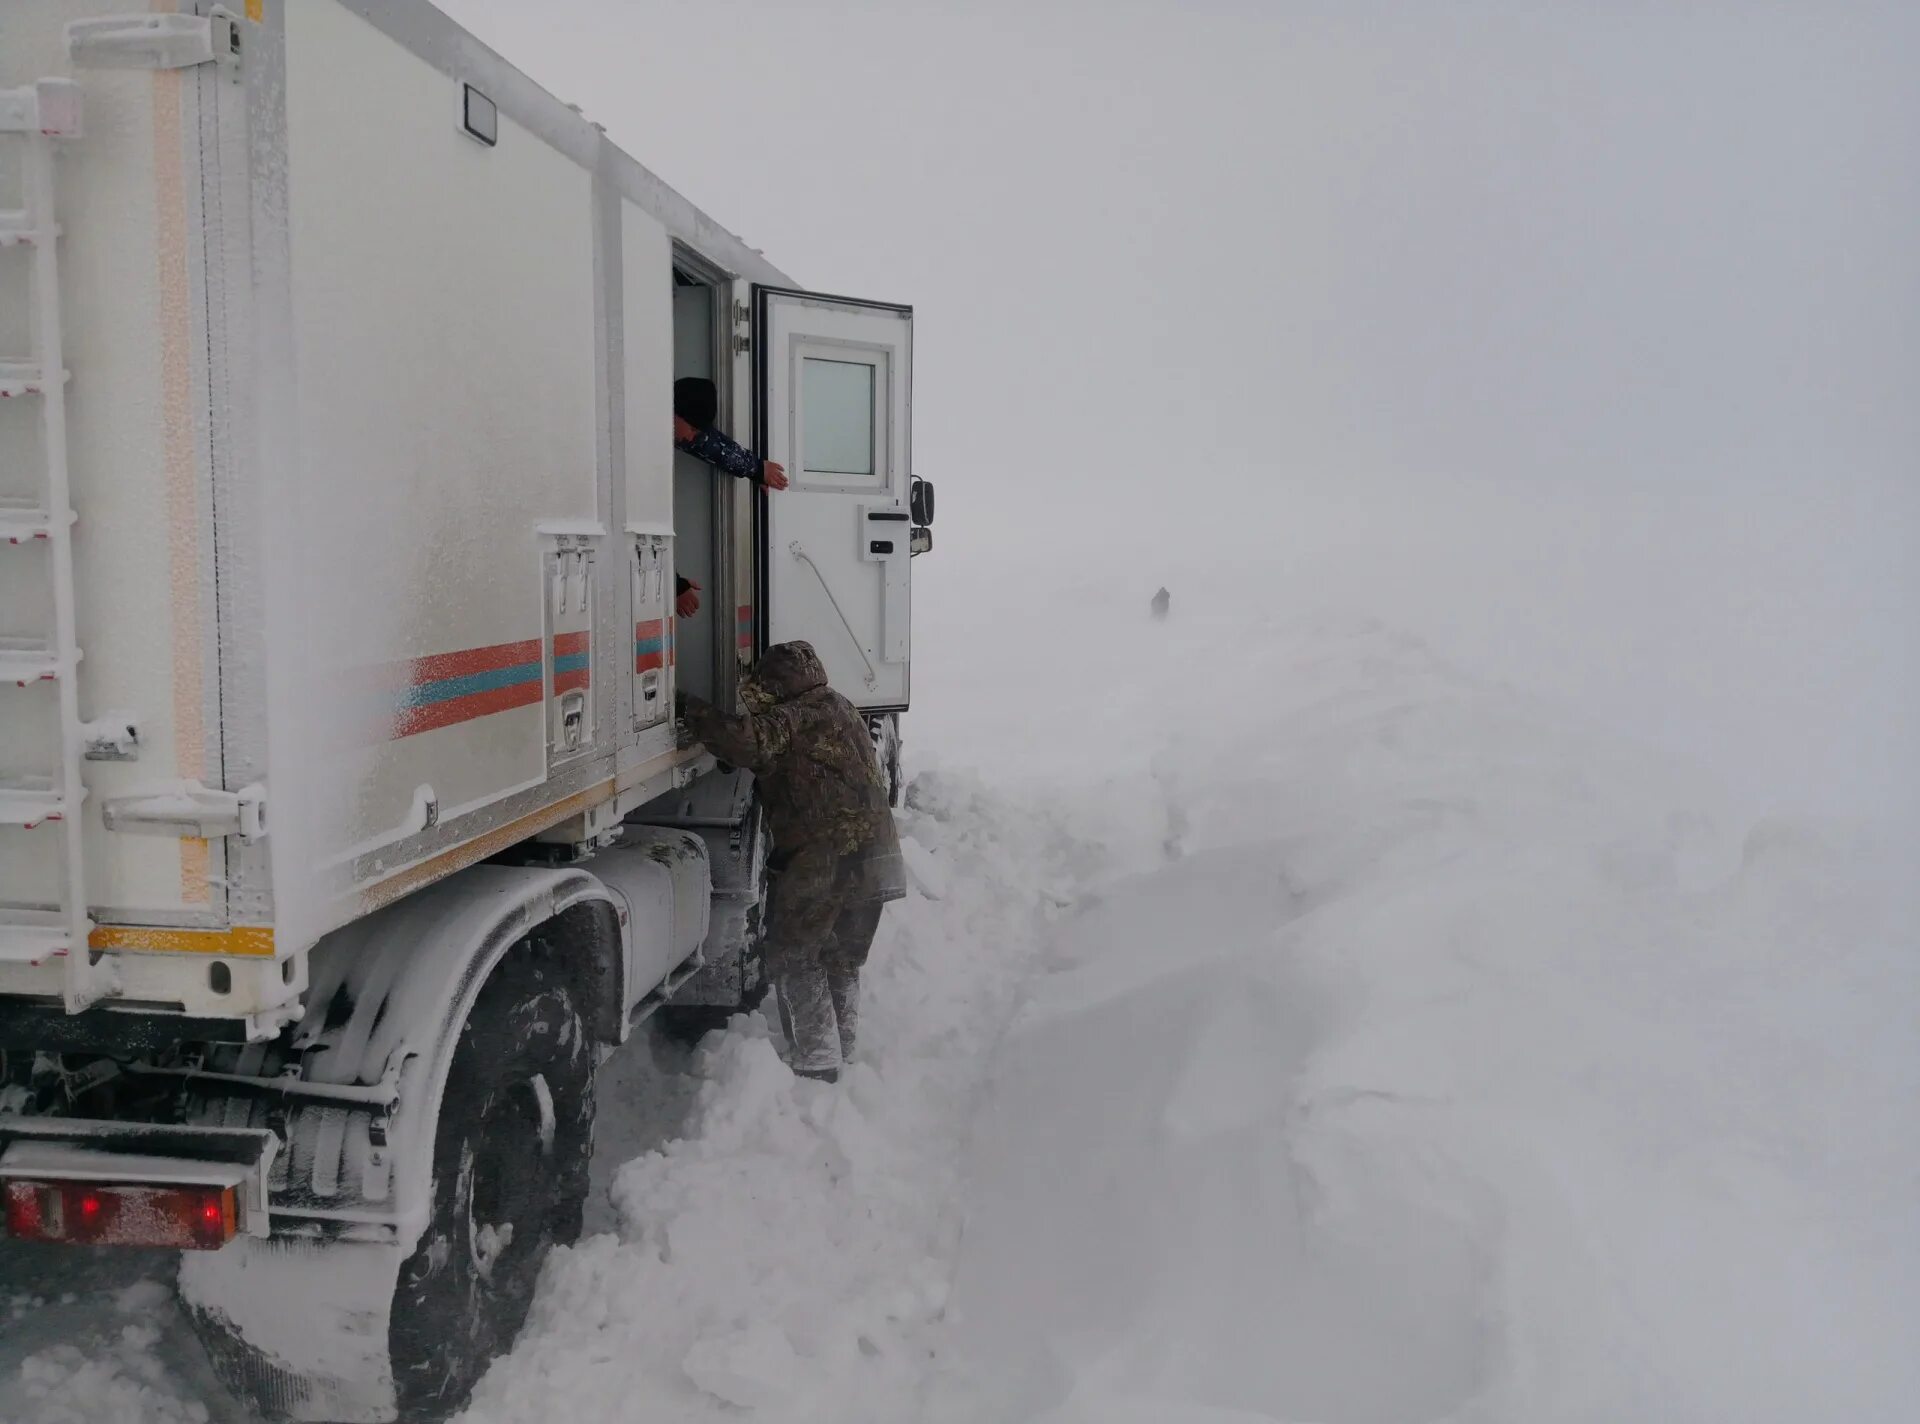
202,1218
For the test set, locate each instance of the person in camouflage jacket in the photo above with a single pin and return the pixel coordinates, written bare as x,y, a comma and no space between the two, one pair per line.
836,856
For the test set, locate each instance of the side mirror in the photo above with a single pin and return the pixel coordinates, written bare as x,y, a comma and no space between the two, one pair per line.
920,502
920,541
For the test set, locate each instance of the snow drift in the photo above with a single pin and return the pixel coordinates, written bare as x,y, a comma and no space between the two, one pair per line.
1469,1071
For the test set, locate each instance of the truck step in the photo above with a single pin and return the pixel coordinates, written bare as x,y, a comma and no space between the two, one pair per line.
17,229
27,660
31,801
33,936
23,378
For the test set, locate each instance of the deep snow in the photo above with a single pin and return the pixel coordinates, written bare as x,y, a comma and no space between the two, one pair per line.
1301,1029
1467,1069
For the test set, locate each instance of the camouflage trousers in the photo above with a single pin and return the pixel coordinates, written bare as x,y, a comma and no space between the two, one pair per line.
820,927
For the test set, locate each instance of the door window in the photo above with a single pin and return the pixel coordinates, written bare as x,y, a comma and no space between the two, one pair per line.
841,418
837,398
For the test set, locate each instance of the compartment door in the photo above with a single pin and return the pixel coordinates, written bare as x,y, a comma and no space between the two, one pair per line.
653,628
834,380
570,588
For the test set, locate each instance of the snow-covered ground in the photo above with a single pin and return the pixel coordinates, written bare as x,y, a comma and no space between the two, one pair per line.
1286,1026
1464,1069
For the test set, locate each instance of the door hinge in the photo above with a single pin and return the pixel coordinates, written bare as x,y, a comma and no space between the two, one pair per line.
154,41
186,808
742,344
742,314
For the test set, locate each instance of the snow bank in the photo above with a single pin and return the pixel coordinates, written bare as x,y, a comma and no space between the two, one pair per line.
1469,1070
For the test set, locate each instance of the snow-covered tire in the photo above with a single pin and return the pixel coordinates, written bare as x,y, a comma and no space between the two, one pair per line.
885,732
510,1159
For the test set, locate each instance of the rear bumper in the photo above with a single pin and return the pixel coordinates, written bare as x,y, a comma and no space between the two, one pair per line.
44,1025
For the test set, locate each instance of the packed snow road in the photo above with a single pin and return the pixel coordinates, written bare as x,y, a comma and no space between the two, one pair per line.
1306,1032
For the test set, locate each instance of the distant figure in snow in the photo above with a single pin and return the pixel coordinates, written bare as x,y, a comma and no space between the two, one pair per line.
1161,601
696,405
836,856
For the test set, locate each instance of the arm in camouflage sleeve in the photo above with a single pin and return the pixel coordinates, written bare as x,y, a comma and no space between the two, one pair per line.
755,742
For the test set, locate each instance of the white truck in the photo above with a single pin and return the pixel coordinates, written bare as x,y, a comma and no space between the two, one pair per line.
344,826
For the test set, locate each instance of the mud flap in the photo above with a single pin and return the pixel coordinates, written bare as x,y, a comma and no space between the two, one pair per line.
301,1326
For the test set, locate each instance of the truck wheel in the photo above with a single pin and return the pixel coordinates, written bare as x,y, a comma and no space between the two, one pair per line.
886,751
510,1159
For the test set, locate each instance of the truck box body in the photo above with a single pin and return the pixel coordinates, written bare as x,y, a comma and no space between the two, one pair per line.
370,346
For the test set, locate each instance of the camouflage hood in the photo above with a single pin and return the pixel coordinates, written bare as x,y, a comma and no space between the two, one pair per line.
812,755
789,670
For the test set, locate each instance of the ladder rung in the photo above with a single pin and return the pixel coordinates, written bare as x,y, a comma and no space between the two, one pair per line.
47,106
20,524
27,660
33,936
31,802
18,229
23,378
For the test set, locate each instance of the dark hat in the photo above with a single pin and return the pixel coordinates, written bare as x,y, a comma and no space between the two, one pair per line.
696,401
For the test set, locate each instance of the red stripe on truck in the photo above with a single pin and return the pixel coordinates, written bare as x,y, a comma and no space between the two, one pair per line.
464,709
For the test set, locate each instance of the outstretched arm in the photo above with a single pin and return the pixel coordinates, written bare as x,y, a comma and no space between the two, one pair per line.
727,456
755,741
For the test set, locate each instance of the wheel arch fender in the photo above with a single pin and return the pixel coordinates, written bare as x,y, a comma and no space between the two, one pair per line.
390,994
386,1002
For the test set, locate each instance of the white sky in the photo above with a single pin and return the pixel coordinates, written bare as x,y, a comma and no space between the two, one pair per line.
1587,334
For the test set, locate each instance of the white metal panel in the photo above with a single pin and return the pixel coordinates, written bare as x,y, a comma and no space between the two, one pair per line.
650,547
837,415
443,315
127,201
647,284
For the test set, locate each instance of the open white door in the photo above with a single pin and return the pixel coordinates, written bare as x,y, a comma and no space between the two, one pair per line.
835,408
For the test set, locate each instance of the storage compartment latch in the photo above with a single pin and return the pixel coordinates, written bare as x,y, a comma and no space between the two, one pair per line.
186,808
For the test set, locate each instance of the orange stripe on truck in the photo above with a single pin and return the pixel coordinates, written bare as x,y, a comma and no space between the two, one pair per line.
241,940
177,460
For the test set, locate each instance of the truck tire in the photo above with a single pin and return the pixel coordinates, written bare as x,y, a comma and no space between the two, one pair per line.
510,1158
886,751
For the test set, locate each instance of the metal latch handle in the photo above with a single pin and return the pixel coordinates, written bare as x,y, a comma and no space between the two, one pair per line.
187,808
